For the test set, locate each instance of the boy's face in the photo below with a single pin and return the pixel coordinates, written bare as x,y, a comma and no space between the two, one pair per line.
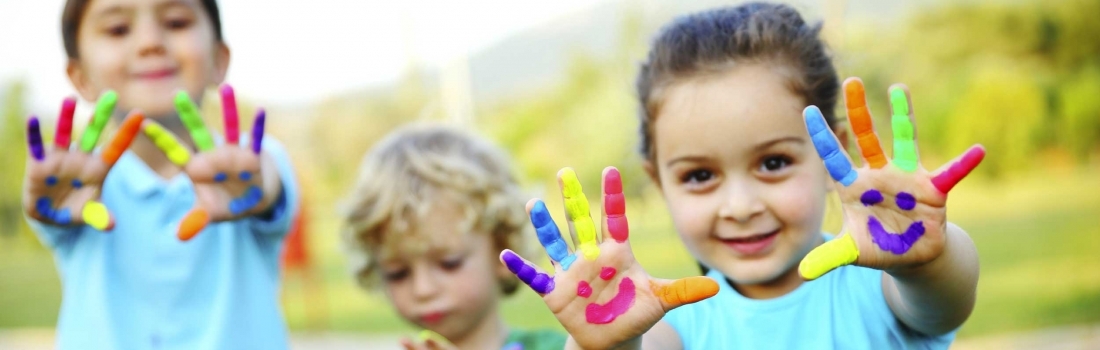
742,180
452,286
147,50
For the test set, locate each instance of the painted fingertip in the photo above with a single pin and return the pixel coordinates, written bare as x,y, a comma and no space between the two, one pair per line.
192,224
539,282
549,236
34,139
899,103
229,114
950,177
95,214
571,186
258,131
828,149
65,123
687,290
835,253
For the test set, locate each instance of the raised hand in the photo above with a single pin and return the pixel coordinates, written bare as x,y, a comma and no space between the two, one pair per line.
894,210
62,185
599,293
229,180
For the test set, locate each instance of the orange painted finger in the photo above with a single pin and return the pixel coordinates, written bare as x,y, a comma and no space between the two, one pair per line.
192,224
123,137
685,291
859,116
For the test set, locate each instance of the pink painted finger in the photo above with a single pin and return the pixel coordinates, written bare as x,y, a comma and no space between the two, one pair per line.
229,113
65,124
258,131
34,140
614,205
959,168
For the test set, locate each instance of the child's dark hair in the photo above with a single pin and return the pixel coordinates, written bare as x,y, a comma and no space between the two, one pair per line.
74,13
714,40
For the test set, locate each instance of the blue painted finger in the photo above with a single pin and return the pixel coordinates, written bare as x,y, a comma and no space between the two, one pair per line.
549,236
838,164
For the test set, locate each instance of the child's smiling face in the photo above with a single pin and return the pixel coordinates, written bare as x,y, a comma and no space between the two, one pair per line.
147,50
451,283
740,175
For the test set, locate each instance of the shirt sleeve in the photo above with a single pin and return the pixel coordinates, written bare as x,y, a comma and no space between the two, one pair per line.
277,223
52,236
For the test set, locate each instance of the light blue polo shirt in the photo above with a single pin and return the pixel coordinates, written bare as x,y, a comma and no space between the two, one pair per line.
139,287
844,309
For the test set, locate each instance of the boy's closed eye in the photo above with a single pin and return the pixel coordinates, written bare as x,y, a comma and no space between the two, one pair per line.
395,274
452,263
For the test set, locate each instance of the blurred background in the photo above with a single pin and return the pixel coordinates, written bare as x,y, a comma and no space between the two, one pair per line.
1021,77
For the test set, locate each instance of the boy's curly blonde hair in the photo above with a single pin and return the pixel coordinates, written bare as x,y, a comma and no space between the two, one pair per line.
416,166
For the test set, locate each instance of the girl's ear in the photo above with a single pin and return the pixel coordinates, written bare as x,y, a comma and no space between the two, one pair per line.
221,62
79,80
651,170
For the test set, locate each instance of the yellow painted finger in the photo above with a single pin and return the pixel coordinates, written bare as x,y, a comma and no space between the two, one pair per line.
576,206
168,143
95,214
439,339
831,255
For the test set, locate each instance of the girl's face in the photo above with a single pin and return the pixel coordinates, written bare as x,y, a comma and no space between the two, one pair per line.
740,175
452,287
147,50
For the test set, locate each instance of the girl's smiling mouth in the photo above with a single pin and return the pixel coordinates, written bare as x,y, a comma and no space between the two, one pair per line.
751,245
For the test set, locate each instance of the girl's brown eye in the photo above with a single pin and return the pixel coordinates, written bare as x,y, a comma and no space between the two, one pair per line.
697,176
178,23
452,264
775,163
117,31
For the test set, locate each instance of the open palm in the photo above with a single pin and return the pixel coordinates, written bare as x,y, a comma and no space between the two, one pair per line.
894,209
599,292
62,185
227,179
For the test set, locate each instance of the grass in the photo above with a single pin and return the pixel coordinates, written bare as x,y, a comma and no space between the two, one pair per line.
1037,237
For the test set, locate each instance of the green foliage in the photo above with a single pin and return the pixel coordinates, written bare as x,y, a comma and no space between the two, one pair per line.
13,139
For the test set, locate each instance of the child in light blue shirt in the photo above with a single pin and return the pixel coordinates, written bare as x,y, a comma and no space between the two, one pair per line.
176,245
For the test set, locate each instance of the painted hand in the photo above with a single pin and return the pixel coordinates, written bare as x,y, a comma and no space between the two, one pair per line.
229,180
428,340
894,210
599,293
62,186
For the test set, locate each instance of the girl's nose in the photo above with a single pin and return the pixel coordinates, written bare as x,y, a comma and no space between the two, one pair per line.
742,201
148,36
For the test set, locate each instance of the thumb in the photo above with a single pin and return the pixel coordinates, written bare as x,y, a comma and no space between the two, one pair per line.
826,257
674,294
96,215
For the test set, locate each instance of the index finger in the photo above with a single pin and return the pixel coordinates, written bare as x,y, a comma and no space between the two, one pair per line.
836,161
103,109
189,114
549,236
229,114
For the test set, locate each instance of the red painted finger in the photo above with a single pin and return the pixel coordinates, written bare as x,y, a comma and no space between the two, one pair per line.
959,168
65,124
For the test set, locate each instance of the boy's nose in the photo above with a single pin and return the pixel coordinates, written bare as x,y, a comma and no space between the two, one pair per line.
425,285
742,202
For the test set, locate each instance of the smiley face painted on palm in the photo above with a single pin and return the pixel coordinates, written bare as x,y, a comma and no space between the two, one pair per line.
897,243
596,313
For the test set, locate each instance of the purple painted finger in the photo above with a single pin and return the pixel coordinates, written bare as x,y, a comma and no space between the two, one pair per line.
34,140
540,282
258,131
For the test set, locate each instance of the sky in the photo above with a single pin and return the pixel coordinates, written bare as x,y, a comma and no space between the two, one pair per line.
286,53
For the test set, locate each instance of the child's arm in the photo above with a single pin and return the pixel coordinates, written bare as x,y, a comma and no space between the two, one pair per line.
231,182
936,297
61,187
896,217
599,293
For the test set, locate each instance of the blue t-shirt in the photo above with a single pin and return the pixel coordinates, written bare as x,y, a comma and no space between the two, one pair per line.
844,309
139,287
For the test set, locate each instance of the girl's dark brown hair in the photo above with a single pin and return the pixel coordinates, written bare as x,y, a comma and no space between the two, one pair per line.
74,12
710,41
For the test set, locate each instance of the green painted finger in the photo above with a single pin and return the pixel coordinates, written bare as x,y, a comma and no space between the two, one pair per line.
576,205
189,114
905,145
167,143
103,109
826,257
